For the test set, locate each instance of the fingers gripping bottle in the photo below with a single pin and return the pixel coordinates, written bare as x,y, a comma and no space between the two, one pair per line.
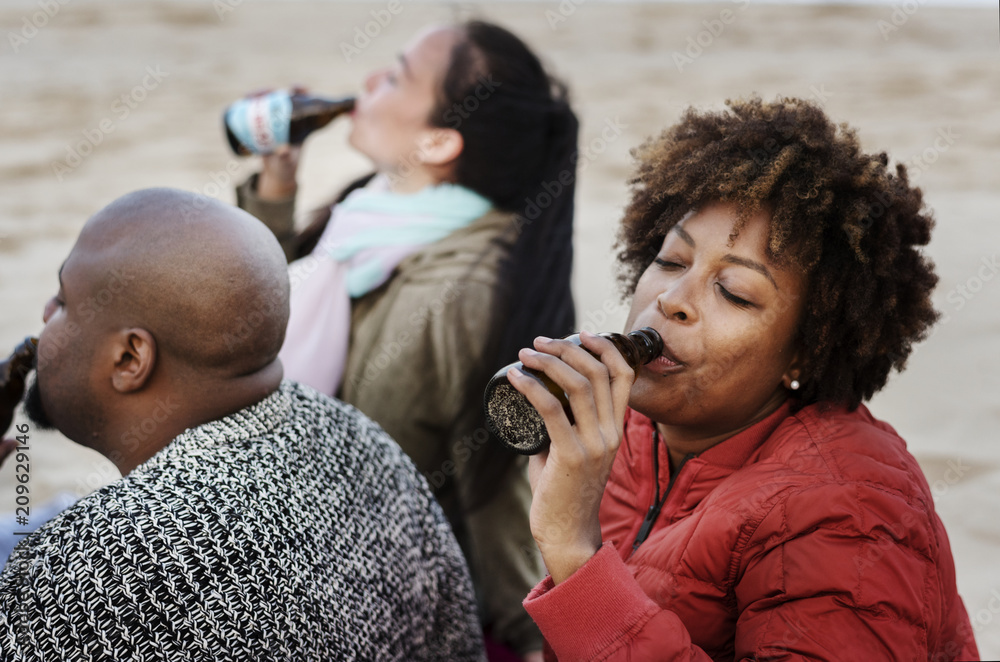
518,425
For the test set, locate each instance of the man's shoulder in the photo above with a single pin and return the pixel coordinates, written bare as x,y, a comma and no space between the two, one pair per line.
333,441
312,514
317,418
242,478
293,418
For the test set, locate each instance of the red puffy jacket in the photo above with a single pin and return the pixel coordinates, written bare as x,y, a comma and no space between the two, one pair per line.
810,535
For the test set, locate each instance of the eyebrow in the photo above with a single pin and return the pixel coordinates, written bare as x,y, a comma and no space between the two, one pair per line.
406,66
682,233
731,259
750,264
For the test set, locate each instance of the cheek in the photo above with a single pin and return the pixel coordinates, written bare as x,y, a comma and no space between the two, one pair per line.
382,129
372,108
386,106
49,379
755,358
735,355
59,343
48,350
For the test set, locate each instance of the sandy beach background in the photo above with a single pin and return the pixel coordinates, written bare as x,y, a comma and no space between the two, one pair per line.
99,98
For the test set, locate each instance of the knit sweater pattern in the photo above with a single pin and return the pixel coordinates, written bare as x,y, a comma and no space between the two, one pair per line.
294,529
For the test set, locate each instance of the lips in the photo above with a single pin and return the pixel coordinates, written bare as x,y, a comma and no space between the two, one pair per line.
666,359
669,356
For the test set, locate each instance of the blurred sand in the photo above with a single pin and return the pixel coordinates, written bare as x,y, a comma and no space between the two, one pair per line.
929,90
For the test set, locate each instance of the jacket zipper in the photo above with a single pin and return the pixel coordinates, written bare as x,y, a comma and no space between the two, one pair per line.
654,510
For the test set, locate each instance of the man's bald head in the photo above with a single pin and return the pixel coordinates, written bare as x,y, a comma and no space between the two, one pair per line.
170,313
207,280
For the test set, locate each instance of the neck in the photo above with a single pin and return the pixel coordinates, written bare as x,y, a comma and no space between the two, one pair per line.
683,440
170,409
413,180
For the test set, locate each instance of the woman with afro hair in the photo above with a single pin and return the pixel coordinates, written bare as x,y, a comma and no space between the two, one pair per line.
734,499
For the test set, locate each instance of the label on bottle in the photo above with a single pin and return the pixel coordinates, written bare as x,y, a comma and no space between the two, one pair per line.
261,123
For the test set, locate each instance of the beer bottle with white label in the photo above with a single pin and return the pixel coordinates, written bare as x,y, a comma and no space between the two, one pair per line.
260,124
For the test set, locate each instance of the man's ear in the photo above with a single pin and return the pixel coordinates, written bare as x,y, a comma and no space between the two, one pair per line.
135,357
440,146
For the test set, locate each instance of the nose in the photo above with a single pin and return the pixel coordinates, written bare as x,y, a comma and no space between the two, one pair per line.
49,310
372,80
676,301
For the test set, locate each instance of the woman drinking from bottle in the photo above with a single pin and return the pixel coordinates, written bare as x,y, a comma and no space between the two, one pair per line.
425,278
733,499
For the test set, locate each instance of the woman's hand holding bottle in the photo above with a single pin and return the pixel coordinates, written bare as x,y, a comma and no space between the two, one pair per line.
568,480
274,124
277,178
278,171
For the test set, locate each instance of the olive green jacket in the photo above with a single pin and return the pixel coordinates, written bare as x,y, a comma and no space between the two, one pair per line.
417,365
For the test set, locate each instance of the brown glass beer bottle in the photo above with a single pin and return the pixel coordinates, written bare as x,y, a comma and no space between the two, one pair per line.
259,124
518,425
310,113
13,371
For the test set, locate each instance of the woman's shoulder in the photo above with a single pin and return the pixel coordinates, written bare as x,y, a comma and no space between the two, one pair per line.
824,462
842,445
473,252
440,295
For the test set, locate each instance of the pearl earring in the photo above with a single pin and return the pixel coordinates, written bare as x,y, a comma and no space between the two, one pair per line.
794,385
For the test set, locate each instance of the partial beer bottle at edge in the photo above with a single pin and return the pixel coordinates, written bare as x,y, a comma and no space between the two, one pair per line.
518,425
13,371
260,124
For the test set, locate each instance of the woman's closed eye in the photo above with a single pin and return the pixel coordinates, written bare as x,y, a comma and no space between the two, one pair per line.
733,299
667,264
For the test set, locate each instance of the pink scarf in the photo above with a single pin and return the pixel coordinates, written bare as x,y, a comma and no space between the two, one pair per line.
368,235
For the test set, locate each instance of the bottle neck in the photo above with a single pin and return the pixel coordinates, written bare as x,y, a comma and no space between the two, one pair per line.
310,106
637,347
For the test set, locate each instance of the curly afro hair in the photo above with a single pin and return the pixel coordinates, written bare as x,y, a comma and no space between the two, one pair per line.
837,213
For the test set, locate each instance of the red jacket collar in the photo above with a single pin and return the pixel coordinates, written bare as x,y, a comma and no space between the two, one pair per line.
733,452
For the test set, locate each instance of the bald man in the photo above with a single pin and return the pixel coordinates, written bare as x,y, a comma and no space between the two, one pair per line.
256,518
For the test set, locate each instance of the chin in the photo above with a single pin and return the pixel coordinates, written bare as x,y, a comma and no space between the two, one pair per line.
657,402
34,408
643,398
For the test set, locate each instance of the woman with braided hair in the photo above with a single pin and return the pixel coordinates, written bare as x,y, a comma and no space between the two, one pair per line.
734,499
422,279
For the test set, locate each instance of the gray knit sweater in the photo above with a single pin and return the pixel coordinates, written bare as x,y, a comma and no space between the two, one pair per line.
294,529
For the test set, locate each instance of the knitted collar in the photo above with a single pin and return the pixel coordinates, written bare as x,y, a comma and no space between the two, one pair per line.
257,420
